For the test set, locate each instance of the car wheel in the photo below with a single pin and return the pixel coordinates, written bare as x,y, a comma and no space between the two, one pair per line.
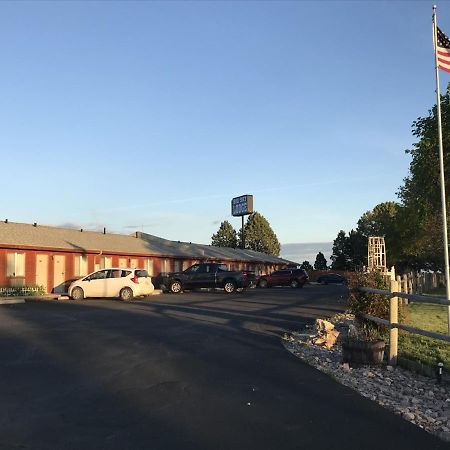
294,284
229,287
263,283
175,287
78,294
126,294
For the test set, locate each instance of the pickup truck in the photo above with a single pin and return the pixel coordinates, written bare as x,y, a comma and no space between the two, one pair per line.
209,275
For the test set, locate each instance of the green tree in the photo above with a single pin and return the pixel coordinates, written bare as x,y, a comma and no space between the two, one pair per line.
382,220
321,262
307,266
421,188
350,252
225,236
357,250
259,235
341,252
420,215
412,228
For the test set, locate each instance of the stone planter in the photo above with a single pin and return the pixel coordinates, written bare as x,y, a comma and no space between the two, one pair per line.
363,352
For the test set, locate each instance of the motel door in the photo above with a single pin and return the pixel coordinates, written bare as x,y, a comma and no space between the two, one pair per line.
59,273
133,263
42,271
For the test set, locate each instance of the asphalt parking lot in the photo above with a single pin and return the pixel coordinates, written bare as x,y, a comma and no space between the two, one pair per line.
192,371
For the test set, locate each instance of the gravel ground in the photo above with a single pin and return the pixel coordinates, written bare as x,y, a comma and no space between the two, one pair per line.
421,400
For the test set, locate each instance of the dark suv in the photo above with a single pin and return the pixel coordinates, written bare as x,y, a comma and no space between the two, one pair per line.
294,278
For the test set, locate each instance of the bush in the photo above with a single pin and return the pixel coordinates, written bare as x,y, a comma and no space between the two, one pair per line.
362,303
26,291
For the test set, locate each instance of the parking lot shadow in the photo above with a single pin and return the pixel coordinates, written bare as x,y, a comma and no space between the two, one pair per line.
175,372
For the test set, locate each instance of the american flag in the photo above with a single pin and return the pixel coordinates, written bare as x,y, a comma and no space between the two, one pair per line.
443,51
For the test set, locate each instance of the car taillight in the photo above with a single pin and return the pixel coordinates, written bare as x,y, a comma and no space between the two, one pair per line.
135,279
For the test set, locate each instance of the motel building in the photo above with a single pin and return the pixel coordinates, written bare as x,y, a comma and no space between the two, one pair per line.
32,254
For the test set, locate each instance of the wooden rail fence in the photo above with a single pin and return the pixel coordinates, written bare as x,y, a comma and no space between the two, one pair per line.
419,282
394,294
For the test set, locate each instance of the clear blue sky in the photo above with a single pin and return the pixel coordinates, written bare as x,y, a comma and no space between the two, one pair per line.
153,115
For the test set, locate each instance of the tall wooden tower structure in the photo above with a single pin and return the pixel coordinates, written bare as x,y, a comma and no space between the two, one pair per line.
376,256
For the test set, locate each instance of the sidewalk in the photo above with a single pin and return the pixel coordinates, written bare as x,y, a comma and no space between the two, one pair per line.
23,298
47,297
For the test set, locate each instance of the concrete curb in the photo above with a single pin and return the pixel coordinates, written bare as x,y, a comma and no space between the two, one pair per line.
25,298
11,301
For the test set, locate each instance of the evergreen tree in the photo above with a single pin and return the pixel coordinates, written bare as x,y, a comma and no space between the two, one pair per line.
419,218
357,248
321,262
306,266
259,235
225,236
341,257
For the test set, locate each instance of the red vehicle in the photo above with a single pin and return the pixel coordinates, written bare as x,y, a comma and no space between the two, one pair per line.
294,278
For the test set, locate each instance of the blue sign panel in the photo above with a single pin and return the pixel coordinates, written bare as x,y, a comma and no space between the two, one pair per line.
242,206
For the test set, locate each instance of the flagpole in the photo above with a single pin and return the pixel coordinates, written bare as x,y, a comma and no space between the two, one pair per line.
441,165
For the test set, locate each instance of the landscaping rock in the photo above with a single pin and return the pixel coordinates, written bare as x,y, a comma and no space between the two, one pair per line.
326,334
415,397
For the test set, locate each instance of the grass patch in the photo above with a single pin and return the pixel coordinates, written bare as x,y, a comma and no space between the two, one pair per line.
420,348
438,292
428,316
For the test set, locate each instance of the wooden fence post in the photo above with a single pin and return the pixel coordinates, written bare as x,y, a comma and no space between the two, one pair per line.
405,283
400,287
426,284
410,283
393,318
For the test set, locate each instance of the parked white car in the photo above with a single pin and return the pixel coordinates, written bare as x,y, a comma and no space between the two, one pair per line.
125,283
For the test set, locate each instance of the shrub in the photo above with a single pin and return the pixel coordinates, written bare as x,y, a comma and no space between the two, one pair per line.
362,303
26,291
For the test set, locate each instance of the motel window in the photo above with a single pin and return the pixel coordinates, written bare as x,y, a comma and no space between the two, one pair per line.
105,262
80,266
165,265
176,266
186,264
122,262
149,266
15,265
